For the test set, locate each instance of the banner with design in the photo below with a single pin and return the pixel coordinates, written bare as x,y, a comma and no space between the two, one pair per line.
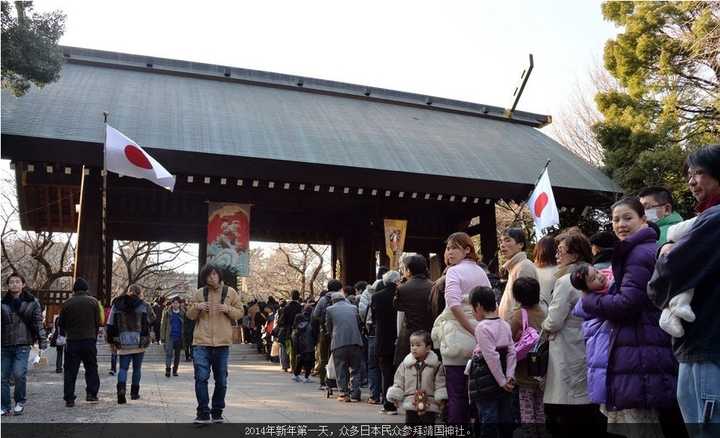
395,230
228,237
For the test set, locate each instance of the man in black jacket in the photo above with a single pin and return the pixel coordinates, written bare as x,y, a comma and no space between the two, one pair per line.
291,309
687,270
22,326
384,318
412,298
80,319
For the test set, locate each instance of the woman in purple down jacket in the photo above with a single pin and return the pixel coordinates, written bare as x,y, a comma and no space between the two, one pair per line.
641,369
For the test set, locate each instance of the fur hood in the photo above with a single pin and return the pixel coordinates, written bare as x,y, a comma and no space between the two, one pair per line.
431,360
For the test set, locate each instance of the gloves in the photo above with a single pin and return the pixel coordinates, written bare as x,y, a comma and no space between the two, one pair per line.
678,308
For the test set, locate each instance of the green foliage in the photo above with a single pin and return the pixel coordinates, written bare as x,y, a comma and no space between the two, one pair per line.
30,51
667,61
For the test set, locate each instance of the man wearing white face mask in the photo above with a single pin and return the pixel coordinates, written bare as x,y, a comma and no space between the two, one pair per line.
658,205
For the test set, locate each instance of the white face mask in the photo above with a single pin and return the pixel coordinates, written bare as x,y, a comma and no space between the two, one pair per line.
651,214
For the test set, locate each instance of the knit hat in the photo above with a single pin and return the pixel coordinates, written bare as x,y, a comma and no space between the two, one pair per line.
80,285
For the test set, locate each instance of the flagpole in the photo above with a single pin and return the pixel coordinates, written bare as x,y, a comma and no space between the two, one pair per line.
537,180
103,258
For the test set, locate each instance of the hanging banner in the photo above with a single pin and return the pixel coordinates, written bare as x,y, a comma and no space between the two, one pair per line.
395,240
228,237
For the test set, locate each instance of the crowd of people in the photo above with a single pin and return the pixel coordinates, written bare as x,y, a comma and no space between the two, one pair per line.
614,328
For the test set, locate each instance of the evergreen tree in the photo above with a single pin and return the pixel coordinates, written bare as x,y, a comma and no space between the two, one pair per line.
30,51
667,61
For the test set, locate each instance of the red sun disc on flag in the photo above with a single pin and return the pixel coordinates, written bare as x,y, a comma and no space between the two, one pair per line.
137,157
540,204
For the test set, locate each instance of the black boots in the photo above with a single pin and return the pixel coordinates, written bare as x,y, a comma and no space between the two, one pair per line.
121,388
134,392
175,371
167,371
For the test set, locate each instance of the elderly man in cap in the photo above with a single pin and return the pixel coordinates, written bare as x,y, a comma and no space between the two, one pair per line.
343,324
80,319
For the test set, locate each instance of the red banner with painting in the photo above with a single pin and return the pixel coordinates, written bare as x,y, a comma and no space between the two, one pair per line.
228,237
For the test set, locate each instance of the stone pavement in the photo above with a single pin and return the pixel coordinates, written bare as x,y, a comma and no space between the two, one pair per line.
258,392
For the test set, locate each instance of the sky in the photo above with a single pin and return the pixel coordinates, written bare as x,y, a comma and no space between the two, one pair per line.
467,50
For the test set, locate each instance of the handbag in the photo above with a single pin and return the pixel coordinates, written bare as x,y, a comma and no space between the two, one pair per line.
538,356
60,341
275,350
528,338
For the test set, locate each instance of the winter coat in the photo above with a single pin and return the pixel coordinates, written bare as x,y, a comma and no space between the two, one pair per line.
598,335
302,334
665,223
518,266
384,320
343,324
546,278
290,311
165,326
641,370
128,327
213,328
412,298
482,385
80,317
693,264
407,382
456,344
320,309
26,326
566,379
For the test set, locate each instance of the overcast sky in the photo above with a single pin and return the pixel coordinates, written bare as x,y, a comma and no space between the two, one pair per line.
468,50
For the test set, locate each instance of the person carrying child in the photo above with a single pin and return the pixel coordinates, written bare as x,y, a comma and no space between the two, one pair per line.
419,382
492,367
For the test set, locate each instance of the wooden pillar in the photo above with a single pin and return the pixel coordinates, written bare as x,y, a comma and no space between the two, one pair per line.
202,255
89,252
488,237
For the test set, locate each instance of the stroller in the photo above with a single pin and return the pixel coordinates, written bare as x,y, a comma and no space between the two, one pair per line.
330,377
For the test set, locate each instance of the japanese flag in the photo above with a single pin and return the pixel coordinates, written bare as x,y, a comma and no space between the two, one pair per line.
123,156
542,205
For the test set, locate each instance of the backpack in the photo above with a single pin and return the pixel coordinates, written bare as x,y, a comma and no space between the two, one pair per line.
528,338
223,295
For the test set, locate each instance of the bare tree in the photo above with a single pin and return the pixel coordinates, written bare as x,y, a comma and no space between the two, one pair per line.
44,258
152,265
287,267
573,126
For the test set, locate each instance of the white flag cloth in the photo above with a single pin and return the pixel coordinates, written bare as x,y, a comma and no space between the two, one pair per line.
542,205
125,157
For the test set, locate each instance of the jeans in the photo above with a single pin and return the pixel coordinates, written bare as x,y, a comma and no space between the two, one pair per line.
60,349
374,383
348,357
284,356
495,417
172,351
15,365
363,363
204,360
698,393
125,360
113,361
85,351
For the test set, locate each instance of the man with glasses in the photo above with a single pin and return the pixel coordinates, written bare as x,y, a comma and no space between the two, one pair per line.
658,205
